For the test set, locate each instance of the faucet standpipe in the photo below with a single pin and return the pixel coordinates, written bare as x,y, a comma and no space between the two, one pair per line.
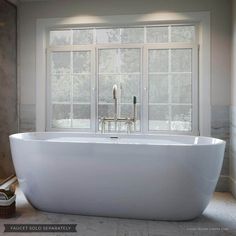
128,121
114,93
134,111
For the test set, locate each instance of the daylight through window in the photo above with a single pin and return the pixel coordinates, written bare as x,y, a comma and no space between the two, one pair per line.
155,63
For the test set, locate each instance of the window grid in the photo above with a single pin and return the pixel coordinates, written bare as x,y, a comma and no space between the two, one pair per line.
171,105
142,94
119,75
169,85
72,90
71,101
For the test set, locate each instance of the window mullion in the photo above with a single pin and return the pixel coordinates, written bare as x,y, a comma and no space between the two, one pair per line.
93,90
119,84
94,86
169,89
72,89
96,94
144,95
49,92
195,91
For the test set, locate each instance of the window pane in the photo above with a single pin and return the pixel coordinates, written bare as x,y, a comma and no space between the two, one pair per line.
106,83
132,35
181,88
81,62
130,60
128,111
181,118
60,88
158,117
157,34
181,60
108,61
82,36
182,33
61,116
129,85
60,37
81,88
158,89
81,116
105,110
158,60
60,62
108,35
125,73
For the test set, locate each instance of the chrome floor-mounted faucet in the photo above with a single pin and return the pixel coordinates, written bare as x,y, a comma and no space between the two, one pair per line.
129,121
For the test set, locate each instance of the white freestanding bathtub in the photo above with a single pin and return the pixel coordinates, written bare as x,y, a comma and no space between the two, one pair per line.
132,176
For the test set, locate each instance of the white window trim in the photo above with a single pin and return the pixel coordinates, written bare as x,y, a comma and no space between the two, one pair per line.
201,18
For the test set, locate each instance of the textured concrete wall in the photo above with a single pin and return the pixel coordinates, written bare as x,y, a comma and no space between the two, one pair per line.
8,85
220,128
232,159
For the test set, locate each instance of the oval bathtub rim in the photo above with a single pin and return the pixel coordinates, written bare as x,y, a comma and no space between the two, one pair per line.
18,136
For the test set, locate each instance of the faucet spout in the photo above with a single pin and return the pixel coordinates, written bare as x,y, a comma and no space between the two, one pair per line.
114,91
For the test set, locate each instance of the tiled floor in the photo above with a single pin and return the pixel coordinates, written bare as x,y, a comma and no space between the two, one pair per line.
218,219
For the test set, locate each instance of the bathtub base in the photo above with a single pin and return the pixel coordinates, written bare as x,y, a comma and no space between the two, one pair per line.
156,218
141,177
137,209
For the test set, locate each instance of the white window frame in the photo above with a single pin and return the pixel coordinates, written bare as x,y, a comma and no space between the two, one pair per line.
117,46
194,81
200,18
92,86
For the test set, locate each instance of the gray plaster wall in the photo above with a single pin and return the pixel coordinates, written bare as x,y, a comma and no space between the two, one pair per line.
8,85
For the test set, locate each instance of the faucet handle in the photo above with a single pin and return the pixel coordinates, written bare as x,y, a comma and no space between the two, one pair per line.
134,100
101,119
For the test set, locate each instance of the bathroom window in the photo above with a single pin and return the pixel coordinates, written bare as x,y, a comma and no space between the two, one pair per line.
155,63
170,89
120,66
70,90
